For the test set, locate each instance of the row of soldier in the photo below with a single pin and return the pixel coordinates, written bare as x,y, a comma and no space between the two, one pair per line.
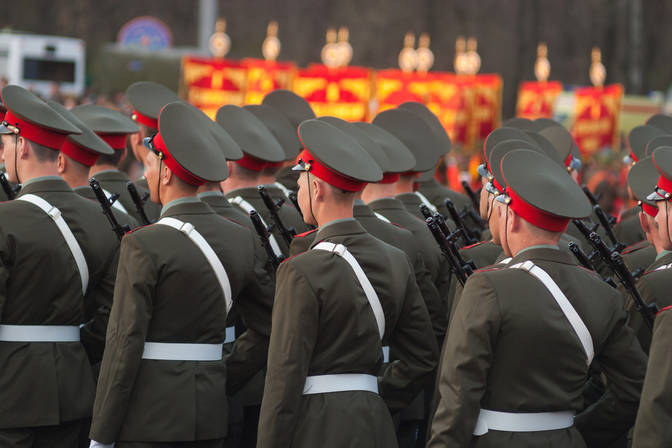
213,323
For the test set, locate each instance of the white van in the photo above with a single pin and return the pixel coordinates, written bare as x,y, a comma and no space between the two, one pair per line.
37,62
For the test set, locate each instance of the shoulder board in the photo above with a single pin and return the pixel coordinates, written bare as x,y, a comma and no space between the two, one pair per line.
664,309
234,221
474,245
293,256
301,235
493,267
138,228
634,247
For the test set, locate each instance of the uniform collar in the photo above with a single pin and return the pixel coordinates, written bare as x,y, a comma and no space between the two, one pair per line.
110,175
386,204
361,210
409,198
545,253
179,201
338,227
244,192
663,253
209,194
44,184
539,246
85,192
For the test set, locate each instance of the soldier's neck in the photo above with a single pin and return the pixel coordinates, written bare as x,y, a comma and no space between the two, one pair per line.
171,193
33,169
332,212
209,186
76,178
404,184
373,192
234,183
266,179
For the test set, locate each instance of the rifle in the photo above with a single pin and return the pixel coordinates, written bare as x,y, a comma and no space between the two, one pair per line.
106,204
472,195
615,262
586,263
10,191
262,231
467,235
606,224
295,201
139,202
460,268
273,207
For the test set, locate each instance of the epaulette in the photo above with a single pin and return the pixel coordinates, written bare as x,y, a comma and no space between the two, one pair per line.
474,245
301,235
664,309
635,246
235,222
138,228
492,267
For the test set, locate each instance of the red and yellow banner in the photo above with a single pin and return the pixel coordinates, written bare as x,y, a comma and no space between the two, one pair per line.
394,87
341,92
536,99
486,114
452,99
596,118
211,83
266,76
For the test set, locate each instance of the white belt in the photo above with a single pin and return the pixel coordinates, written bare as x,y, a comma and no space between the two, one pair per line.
215,263
164,351
565,305
242,203
341,382
522,422
39,333
116,204
230,335
70,240
425,201
381,217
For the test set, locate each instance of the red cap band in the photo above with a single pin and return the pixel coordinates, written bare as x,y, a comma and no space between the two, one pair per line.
116,141
633,156
535,216
569,158
329,176
36,133
79,153
665,184
251,163
389,178
649,209
174,166
144,119
2,115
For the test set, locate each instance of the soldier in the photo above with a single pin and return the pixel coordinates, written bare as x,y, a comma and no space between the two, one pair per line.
296,110
259,147
147,99
163,379
335,306
523,336
78,154
53,257
652,428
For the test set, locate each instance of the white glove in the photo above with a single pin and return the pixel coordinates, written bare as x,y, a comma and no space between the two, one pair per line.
95,444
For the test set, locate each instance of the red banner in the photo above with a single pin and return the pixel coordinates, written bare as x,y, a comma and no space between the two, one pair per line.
211,83
596,118
266,76
452,99
394,87
486,115
535,99
342,92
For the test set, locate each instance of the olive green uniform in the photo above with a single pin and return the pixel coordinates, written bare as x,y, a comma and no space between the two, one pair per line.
122,218
167,292
653,429
437,195
510,348
639,255
323,324
629,230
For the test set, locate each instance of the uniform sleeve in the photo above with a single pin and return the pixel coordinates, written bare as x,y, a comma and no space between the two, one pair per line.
414,348
436,306
293,336
466,360
127,329
255,305
4,272
653,428
623,363
100,295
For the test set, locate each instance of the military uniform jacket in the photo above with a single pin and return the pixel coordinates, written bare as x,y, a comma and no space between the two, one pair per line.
48,383
252,310
437,195
323,324
654,286
167,292
287,213
639,255
653,429
629,230
510,348
395,211
122,218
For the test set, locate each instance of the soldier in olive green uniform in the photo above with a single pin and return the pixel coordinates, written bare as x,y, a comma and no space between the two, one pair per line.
335,306
652,428
259,147
78,155
53,259
523,336
296,110
163,379
147,99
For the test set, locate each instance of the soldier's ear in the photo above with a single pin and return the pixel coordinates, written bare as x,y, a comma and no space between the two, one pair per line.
61,163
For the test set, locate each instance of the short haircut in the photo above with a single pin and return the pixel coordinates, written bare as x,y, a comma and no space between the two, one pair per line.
110,159
146,131
42,153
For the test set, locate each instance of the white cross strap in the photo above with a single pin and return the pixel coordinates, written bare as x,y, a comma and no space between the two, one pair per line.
381,217
215,263
70,240
662,268
425,201
242,203
286,191
116,204
568,310
371,295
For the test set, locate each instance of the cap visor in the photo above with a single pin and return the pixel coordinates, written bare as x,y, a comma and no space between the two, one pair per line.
655,196
5,130
147,141
491,189
502,198
298,167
